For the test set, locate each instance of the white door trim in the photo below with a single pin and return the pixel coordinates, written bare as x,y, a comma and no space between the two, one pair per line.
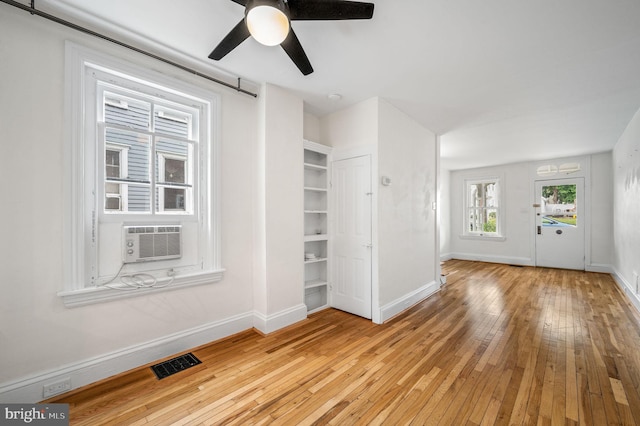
585,172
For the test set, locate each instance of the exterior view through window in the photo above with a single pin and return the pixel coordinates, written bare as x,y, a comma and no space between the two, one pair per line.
148,156
482,207
558,206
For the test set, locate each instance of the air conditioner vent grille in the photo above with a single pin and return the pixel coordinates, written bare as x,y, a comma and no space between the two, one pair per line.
146,243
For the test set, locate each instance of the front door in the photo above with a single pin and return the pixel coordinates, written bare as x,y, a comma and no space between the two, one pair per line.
560,223
351,258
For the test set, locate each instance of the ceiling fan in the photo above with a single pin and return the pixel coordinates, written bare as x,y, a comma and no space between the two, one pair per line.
268,21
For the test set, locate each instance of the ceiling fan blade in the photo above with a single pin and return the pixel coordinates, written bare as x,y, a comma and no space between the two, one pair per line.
237,35
240,2
329,10
294,49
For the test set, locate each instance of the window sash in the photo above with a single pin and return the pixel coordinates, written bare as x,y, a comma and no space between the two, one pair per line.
482,207
137,132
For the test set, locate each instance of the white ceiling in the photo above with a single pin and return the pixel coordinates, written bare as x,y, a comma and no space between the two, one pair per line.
501,81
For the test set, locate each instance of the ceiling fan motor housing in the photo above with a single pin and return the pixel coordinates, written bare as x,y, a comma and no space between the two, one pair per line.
268,21
281,5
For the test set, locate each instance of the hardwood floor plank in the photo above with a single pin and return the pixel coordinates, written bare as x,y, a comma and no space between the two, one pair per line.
497,345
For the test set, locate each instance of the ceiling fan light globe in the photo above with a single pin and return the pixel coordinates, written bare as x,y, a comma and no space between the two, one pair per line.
268,25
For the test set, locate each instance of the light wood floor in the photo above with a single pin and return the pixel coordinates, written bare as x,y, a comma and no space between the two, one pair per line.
498,345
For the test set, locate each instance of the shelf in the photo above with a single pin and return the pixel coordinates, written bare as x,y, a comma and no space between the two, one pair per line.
310,166
316,164
318,260
315,283
309,188
316,237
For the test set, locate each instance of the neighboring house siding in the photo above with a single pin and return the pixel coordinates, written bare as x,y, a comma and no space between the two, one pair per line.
137,117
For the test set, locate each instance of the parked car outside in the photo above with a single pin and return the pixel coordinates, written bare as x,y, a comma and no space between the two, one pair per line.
549,221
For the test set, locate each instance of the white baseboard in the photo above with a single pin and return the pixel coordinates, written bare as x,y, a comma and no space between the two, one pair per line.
627,289
599,267
273,322
30,389
392,309
523,261
445,256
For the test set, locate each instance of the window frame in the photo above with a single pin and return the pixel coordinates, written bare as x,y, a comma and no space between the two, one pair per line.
499,234
82,192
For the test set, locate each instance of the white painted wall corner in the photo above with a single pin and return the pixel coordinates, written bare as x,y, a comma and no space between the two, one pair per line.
392,309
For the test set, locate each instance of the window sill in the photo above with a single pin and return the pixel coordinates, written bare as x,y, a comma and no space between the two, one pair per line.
483,237
91,295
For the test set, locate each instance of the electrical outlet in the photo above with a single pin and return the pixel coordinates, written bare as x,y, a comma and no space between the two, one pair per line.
56,388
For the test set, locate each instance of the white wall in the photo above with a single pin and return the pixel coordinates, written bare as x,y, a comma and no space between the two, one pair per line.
444,205
405,250
283,182
601,257
626,208
353,127
311,129
406,219
516,210
517,185
42,340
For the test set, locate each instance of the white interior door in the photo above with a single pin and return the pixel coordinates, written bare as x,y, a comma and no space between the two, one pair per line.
560,223
351,237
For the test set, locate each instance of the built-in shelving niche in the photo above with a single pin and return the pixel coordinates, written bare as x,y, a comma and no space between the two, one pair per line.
316,226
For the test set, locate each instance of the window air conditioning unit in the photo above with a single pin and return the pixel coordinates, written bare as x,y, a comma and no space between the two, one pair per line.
143,243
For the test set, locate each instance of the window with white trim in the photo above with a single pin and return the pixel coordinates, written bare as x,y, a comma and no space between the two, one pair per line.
143,153
482,207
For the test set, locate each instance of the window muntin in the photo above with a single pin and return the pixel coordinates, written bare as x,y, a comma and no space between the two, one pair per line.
141,123
482,207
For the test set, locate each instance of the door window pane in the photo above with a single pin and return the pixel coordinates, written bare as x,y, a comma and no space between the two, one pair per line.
558,206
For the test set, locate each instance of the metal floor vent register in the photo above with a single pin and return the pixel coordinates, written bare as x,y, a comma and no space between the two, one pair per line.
175,365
